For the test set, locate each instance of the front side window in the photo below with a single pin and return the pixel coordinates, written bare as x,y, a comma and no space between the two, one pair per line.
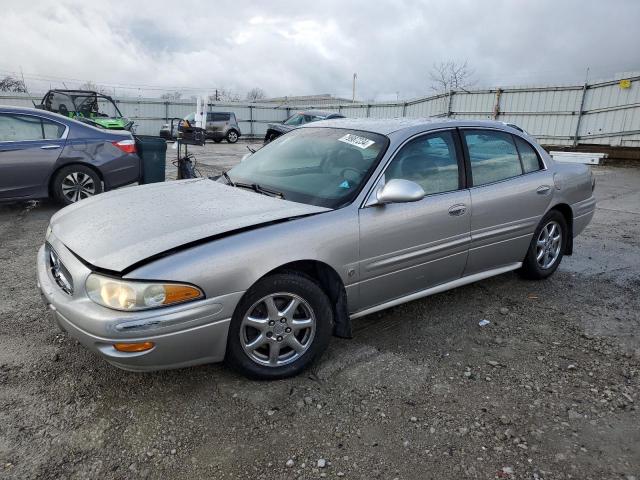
20,128
493,156
317,166
430,161
530,160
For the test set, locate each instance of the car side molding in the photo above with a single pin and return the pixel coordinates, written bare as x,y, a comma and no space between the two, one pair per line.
438,289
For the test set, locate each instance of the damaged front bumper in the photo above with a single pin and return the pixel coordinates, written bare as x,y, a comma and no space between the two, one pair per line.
182,335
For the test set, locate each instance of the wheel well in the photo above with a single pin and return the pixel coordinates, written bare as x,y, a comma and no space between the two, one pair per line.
331,283
55,172
567,213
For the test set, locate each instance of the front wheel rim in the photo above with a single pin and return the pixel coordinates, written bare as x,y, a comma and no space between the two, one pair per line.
78,185
548,245
278,329
233,136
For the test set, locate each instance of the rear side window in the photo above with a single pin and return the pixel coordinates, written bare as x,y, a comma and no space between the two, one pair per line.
218,117
20,128
530,160
430,161
493,156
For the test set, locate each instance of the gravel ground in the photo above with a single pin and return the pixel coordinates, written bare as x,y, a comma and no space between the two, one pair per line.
547,390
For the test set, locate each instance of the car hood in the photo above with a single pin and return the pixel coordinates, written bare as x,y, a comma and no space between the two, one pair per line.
118,229
280,127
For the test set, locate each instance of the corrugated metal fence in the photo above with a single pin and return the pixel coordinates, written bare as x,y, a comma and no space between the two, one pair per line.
605,113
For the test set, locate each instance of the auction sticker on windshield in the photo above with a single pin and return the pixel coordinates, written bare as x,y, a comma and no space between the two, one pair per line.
356,141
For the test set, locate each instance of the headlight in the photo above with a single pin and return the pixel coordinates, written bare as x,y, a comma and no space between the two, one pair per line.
133,295
46,235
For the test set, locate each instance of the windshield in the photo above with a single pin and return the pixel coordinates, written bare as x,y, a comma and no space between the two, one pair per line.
318,166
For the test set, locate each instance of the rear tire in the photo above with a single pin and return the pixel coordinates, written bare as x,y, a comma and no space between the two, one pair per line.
74,183
547,247
279,327
232,136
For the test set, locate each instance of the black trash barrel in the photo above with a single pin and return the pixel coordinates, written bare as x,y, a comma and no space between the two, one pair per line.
153,155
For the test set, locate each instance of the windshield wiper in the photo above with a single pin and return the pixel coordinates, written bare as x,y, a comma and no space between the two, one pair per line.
228,179
258,189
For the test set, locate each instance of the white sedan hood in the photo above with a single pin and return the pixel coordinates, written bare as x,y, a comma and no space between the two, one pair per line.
118,229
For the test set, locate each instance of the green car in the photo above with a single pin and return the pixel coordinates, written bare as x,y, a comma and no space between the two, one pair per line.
86,106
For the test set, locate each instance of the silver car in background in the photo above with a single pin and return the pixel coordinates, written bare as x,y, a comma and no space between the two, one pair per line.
328,223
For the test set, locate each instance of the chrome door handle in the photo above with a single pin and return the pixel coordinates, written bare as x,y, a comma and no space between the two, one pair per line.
457,210
49,147
542,189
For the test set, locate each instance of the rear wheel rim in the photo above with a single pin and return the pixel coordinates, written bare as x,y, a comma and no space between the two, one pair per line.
548,245
278,329
78,185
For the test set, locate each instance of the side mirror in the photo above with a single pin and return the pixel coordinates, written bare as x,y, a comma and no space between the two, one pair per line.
400,191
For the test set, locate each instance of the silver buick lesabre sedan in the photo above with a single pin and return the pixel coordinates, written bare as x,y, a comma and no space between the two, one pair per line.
326,224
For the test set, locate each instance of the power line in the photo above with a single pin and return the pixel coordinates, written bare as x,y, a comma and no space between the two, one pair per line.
127,86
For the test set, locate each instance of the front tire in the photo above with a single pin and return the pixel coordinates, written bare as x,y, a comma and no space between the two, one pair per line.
74,183
547,247
280,326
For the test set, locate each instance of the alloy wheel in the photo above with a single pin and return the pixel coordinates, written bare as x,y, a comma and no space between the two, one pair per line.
278,329
232,136
548,245
78,185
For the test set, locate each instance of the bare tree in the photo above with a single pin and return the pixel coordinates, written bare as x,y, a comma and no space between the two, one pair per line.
10,84
447,76
224,95
171,96
256,94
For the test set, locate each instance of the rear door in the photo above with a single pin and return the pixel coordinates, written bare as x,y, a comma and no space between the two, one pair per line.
217,122
510,191
408,247
29,148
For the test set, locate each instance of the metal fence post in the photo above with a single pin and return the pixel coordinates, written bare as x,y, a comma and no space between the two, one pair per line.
576,136
404,109
451,92
166,111
251,119
496,108
368,110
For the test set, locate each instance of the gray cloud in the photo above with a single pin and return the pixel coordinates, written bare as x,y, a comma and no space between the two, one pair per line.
295,48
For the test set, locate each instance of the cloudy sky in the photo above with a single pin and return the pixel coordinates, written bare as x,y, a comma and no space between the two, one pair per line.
308,47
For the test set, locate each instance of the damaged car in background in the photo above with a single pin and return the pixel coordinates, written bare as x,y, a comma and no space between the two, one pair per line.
43,154
331,222
274,130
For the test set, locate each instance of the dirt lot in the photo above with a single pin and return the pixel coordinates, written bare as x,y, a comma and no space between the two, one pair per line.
548,390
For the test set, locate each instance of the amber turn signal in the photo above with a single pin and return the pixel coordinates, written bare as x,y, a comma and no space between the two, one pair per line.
133,347
180,293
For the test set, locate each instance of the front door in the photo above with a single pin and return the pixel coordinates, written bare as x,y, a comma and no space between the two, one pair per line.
29,148
408,247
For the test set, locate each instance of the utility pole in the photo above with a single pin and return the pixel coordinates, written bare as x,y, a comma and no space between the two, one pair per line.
353,97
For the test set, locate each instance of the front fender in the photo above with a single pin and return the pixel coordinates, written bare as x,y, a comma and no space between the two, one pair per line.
234,263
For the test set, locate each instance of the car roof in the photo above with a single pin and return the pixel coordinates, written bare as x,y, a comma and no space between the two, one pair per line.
34,111
319,113
387,126
70,122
